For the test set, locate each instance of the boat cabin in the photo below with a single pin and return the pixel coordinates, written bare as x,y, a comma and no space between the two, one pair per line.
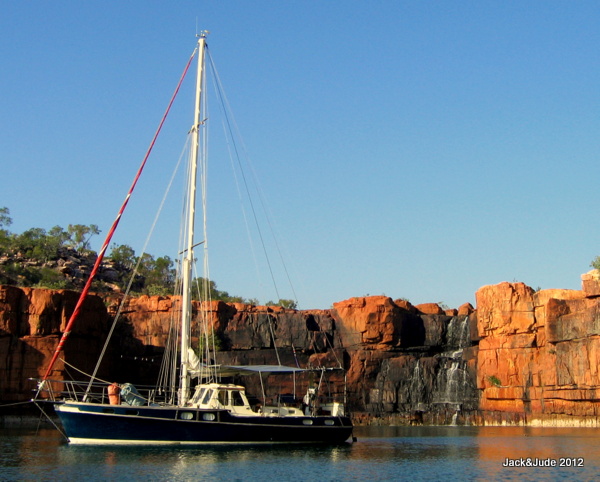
233,398
221,396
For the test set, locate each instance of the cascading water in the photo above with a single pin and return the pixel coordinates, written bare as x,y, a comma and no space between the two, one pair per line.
458,335
454,387
449,381
417,389
431,383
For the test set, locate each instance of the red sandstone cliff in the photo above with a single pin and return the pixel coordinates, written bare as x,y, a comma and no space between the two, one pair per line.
522,357
539,354
31,321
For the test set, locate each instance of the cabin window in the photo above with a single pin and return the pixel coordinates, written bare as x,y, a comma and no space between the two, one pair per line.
108,410
223,397
186,415
199,395
131,412
207,396
236,399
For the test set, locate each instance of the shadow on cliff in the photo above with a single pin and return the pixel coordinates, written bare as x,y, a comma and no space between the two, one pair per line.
19,363
129,360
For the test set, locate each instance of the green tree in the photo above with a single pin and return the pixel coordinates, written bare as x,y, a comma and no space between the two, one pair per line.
5,236
17,273
158,274
49,278
595,263
164,271
155,275
209,287
80,235
56,238
123,254
5,219
33,244
287,304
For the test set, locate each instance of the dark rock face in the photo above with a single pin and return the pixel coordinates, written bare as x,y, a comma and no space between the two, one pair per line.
420,370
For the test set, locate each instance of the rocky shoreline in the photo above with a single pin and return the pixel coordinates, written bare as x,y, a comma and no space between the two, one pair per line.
520,358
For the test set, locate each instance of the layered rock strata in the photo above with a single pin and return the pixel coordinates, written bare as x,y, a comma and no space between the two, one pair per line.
539,354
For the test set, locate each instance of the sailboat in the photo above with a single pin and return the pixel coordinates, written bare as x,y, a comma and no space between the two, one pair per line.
209,405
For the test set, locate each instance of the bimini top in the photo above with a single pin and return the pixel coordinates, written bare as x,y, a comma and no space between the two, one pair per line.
197,368
232,370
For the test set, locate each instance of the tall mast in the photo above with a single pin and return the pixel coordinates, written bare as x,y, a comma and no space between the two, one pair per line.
188,260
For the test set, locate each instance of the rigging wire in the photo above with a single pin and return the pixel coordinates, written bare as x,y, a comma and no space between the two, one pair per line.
229,126
102,252
234,154
208,336
133,274
228,140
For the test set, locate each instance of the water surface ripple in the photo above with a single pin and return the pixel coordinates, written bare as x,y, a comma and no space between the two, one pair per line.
381,453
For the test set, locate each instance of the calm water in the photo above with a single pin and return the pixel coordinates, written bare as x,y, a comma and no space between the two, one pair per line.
381,453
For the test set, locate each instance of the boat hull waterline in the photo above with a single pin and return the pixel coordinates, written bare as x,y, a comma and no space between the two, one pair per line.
101,424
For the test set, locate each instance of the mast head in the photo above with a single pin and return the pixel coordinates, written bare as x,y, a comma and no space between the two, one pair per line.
202,34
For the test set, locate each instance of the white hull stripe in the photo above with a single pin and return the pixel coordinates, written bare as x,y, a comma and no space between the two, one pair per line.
94,441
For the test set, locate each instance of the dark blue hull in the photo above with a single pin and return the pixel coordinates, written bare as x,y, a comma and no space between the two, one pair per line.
120,424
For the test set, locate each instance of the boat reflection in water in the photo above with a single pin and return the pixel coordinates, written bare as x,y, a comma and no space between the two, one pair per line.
383,453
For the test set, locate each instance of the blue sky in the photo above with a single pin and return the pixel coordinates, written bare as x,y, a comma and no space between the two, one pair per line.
415,149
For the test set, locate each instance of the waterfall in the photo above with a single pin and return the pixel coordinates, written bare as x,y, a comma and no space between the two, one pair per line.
434,383
453,385
458,334
417,389
454,418
450,382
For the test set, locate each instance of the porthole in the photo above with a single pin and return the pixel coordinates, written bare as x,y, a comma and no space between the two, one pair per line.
329,422
307,421
108,410
209,417
186,415
131,412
